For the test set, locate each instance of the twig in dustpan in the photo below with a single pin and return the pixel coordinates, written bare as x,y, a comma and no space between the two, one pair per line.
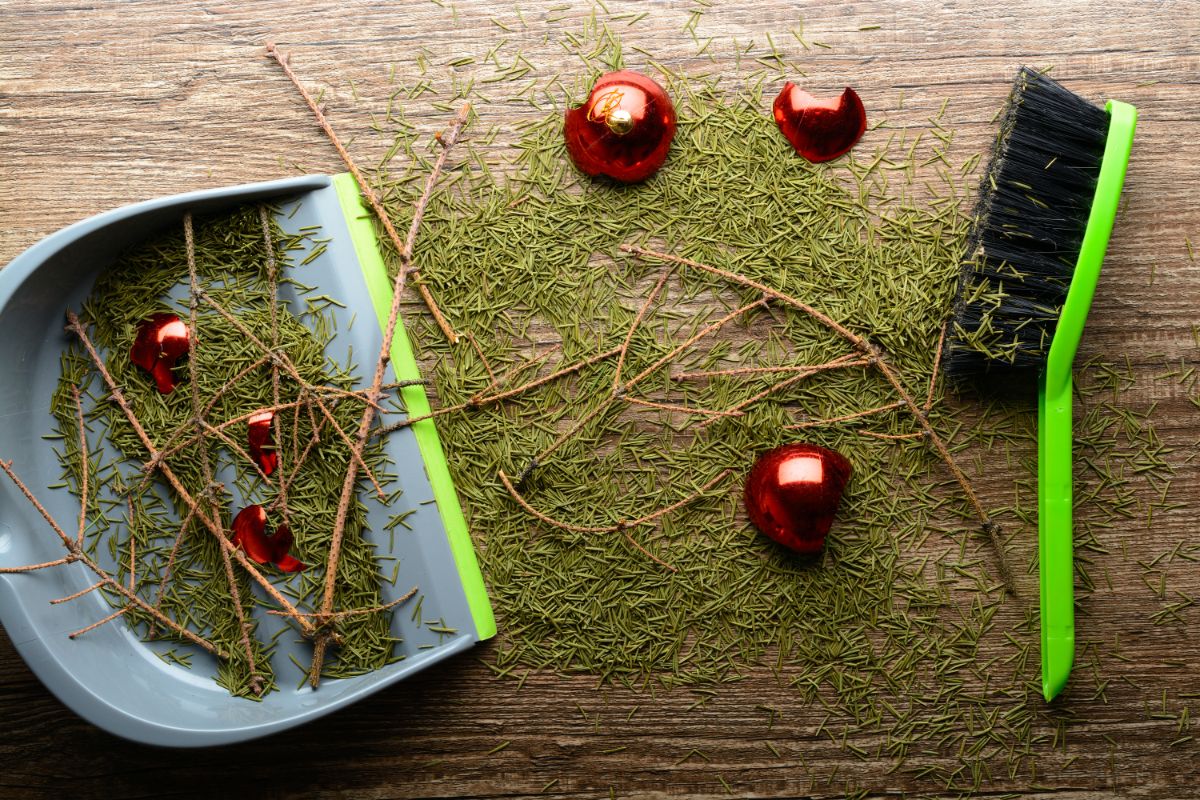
206,472
75,325
364,427
76,553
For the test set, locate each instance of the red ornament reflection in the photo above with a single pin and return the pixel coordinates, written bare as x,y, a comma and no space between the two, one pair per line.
793,492
261,438
624,128
820,130
162,340
249,533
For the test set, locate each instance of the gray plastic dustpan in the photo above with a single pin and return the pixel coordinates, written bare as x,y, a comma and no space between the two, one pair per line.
109,676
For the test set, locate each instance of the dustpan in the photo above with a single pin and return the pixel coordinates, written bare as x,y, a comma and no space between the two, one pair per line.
111,677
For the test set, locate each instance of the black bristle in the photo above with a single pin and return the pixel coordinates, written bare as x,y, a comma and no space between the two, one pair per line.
1033,207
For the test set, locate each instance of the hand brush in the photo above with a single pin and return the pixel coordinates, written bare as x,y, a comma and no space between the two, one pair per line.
1046,210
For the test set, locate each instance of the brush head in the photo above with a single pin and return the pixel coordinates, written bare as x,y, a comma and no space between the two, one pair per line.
1033,209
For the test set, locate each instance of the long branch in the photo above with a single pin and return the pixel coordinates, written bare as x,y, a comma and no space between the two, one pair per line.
403,248
991,528
381,362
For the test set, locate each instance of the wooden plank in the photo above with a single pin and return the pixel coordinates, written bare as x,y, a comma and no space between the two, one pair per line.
108,103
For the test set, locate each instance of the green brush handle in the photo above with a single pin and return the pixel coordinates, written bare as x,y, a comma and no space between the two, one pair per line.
1056,564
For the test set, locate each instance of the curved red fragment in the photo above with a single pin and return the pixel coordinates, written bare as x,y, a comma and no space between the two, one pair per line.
261,439
162,340
820,130
249,533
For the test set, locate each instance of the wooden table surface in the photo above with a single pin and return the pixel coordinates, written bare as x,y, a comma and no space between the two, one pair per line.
106,103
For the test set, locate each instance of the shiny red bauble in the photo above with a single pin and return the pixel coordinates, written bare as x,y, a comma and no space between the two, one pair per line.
624,128
793,492
161,342
250,534
820,130
261,439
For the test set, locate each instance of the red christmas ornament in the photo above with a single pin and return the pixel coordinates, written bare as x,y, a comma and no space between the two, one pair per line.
793,492
623,130
820,130
161,341
249,533
261,437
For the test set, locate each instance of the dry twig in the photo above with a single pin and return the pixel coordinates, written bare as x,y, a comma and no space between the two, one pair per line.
876,357
622,526
368,417
75,553
403,248
206,472
76,326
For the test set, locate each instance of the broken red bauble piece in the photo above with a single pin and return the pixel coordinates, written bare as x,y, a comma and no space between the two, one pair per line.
793,492
261,438
161,341
250,534
624,128
820,130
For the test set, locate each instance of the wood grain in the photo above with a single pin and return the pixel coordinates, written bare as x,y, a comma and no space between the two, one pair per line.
107,103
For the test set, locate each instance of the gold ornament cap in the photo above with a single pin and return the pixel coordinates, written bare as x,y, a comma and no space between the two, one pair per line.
619,121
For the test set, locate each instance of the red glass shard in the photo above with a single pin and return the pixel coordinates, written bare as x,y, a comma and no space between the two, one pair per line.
162,340
261,438
820,130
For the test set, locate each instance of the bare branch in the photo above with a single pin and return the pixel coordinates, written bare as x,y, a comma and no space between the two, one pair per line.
76,326
637,401
205,464
844,361
381,362
78,594
844,418
937,364
58,562
95,625
403,248
621,526
871,352
106,579
637,320
84,466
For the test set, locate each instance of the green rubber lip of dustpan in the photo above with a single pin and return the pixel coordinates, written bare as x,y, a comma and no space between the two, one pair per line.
112,678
